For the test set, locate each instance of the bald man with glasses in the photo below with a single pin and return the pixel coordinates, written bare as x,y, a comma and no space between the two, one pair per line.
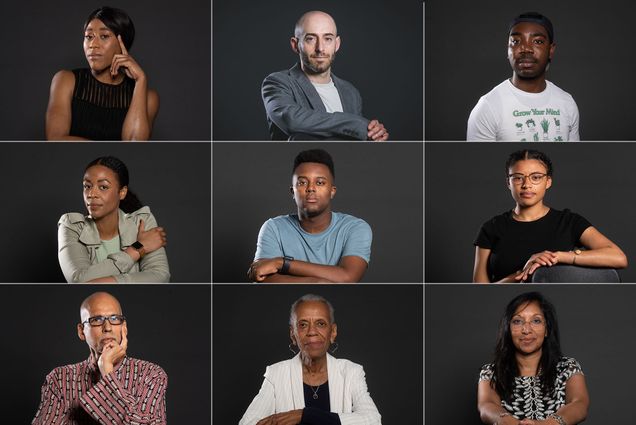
109,387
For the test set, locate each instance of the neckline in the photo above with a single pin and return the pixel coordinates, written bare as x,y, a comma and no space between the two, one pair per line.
90,73
527,93
512,217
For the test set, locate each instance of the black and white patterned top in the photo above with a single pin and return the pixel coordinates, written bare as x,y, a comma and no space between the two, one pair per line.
528,400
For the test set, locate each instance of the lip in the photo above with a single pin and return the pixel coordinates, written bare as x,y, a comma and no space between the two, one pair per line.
314,344
527,194
94,56
105,341
93,206
311,200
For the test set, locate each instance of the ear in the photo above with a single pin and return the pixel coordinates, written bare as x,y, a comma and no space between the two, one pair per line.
80,332
292,336
294,44
337,42
508,183
552,49
333,191
334,332
291,190
123,192
548,183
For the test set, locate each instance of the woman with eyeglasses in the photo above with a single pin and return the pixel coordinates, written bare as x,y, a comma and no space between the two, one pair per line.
119,240
530,382
511,246
313,387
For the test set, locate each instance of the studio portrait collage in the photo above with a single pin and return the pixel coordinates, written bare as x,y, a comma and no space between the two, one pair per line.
317,212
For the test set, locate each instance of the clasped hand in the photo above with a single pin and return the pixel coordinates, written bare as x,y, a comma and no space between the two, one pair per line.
540,259
293,417
152,239
260,269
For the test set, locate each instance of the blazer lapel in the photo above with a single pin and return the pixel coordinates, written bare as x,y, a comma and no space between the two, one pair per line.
308,89
296,378
347,101
336,384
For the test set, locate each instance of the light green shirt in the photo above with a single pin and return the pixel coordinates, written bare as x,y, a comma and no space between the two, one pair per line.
106,248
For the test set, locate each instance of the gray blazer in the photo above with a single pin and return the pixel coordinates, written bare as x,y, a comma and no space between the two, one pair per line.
293,106
78,241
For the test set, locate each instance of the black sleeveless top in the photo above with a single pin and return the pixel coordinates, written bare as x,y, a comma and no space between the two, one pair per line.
98,110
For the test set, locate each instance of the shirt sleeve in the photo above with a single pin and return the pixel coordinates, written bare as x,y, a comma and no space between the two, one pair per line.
579,225
486,236
110,403
293,118
153,268
487,372
262,406
573,135
74,257
482,123
358,241
364,410
268,244
52,409
569,367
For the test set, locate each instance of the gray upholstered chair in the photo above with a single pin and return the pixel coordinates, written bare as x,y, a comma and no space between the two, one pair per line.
565,273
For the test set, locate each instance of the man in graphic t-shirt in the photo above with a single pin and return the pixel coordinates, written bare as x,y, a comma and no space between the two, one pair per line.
316,244
308,102
526,107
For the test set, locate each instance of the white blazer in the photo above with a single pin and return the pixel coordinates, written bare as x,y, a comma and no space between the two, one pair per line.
282,391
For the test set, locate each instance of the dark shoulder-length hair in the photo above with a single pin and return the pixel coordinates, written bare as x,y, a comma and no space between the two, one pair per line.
131,202
117,21
505,363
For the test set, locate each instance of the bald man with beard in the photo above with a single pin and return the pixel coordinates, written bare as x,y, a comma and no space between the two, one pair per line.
109,387
308,102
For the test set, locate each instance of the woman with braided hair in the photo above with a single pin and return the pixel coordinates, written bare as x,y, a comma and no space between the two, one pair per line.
118,241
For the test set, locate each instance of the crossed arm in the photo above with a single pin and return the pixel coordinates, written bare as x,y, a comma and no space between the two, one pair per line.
350,269
601,252
573,412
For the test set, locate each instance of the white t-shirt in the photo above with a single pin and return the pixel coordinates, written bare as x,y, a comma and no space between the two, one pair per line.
329,95
507,113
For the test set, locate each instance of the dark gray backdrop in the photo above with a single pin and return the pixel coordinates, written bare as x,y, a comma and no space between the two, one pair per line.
380,54
168,325
596,325
466,56
172,45
465,186
379,183
42,181
379,327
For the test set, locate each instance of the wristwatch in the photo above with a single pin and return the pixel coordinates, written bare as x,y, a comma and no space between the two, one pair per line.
139,248
556,417
286,263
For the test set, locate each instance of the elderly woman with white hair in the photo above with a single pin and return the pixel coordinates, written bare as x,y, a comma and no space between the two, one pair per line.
313,387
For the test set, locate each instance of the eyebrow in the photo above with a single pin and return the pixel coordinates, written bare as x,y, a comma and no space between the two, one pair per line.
534,34
318,35
98,29
317,177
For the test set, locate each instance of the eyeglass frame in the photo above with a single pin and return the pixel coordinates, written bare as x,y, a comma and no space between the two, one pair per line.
106,318
526,176
543,323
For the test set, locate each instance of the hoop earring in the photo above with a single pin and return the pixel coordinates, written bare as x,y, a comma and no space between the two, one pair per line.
333,347
292,350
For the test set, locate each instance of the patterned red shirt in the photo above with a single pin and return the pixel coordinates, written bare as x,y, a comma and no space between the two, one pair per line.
134,393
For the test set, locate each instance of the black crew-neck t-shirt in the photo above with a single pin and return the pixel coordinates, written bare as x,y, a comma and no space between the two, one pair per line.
513,242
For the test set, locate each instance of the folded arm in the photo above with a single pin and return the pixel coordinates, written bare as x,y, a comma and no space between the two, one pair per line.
293,118
145,405
350,269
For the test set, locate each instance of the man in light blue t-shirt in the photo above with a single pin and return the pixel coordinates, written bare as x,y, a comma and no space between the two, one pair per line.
315,245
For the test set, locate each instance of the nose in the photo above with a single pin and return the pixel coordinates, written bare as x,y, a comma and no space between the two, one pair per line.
90,193
525,328
526,182
525,46
106,326
318,45
311,187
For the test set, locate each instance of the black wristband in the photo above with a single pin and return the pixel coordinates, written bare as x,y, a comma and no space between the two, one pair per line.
286,263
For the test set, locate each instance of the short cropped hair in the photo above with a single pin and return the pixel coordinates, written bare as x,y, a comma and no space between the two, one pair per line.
310,297
117,21
529,154
319,156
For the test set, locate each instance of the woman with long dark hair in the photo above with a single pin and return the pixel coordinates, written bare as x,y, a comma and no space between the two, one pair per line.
530,382
512,245
109,100
118,241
